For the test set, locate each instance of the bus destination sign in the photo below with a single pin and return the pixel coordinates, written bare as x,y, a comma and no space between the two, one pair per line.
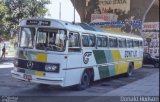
45,23
32,22
36,22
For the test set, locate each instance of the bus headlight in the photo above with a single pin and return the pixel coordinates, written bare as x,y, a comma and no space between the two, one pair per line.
51,68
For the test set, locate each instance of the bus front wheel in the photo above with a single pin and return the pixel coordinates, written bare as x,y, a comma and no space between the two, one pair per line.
85,80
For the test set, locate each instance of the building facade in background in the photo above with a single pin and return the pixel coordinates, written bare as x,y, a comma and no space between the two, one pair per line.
137,8
115,16
139,17
111,11
151,32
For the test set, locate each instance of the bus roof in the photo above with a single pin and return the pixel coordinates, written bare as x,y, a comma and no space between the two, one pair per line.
80,27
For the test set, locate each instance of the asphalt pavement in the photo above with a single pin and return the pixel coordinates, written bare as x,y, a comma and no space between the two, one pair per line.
143,90
7,59
7,62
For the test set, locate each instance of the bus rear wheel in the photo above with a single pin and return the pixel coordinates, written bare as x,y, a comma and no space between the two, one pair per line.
130,70
85,80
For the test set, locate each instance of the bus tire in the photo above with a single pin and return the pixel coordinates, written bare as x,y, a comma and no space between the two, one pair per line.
130,70
85,80
91,76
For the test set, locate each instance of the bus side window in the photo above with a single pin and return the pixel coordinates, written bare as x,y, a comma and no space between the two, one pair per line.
91,40
85,40
140,44
99,41
129,43
102,41
135,44
74,42
113,42
88,40
122,43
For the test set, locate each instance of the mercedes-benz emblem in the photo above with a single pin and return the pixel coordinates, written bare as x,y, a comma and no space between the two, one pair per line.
29,64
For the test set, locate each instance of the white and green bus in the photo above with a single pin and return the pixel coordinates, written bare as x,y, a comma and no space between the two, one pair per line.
60,53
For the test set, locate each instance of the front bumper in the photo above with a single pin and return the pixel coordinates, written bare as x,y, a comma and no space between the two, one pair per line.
39,79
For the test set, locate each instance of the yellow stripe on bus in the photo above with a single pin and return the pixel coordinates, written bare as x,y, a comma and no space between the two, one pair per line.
39,73
116,55
121,68
137,64
41,57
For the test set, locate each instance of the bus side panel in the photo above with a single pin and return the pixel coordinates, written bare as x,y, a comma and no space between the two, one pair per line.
138,62
102,57
74,68
112,62
89,61
73,76
120,64
74,60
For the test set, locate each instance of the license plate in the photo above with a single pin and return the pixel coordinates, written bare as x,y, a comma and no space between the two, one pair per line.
28,77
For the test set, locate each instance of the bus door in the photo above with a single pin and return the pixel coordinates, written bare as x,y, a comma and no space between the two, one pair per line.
74,59
74,51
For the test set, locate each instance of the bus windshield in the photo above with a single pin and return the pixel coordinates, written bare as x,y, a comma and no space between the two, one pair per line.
27,37
51,39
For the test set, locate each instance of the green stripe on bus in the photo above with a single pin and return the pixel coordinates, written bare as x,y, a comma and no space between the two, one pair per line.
108,55
111,70
99,56
103,72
